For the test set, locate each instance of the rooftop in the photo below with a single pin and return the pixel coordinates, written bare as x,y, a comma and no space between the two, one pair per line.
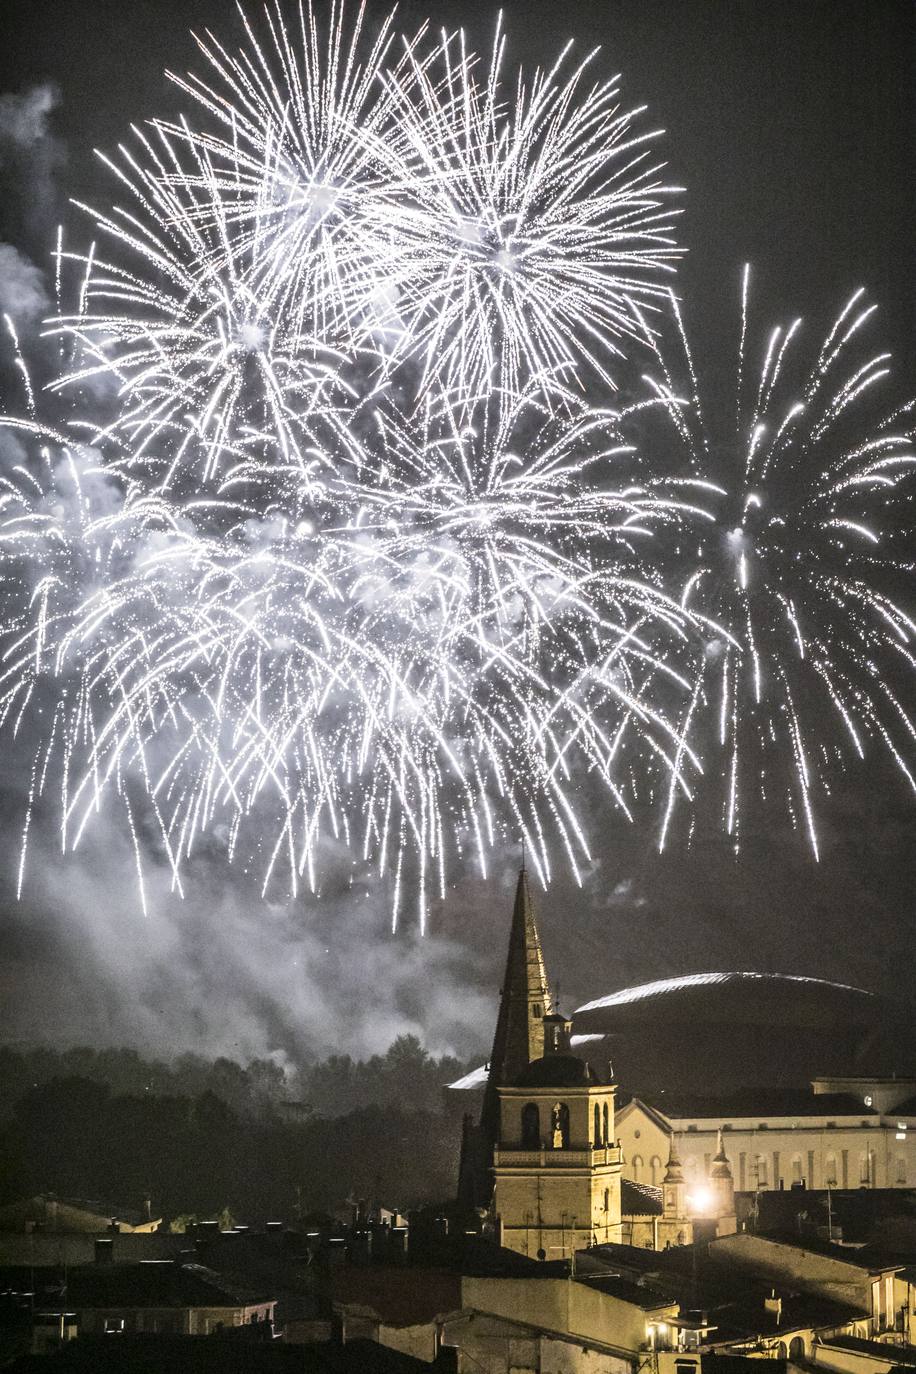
898,1355
640,1199
560,1071
156,1283
756,1102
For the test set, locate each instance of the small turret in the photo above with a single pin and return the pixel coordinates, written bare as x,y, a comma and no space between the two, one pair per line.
674,1189
721,1183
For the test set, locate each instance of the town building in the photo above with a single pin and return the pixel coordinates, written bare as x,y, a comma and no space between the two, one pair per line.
47,1214
556,1163
161,1297
835,1134
544,1159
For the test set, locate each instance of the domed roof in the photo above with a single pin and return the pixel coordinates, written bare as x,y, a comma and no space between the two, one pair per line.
558,1071
713,1032
745,997
716,1032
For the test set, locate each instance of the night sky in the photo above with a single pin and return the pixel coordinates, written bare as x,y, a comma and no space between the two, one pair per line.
792,126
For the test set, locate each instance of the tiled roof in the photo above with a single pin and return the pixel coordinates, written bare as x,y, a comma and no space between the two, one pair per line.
639,1199
758,1102
155,1283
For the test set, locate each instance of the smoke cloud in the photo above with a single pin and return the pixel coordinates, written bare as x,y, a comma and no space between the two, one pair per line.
30,159
22,287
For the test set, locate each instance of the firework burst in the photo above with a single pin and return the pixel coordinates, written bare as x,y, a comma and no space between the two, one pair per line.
809,565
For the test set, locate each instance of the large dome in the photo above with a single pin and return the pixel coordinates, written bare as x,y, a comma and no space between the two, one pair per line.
709,1032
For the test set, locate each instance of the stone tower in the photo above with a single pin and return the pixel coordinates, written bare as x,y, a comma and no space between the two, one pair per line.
722,1189
524,1001
674,1225
556,1165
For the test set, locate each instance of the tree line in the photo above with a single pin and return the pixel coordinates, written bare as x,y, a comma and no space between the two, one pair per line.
197,1136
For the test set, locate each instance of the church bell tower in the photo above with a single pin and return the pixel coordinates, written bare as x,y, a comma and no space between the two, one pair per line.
524,1002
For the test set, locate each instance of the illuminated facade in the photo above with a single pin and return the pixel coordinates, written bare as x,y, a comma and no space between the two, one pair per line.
843,1134
556,1165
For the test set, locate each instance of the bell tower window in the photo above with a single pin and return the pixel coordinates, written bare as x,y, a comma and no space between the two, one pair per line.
560,1126
531,1127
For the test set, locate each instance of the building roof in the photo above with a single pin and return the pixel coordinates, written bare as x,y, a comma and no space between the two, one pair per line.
702,1031
732,1299
232,1353
156,1283
398,1296
625,1290
664,987
756,1102
640,1199
897,1355
858,1257
560,1071
67,1216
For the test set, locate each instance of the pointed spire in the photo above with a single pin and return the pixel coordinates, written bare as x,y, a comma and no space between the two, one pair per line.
673,1172
524,1002
721,1168
524,997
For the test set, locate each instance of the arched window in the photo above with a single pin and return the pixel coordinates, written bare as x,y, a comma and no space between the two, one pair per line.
637,1168
560,1123
797,1348
760,1171
597,1139
655,1171
531,1127
901,1169
606,1127
830,1175
864,1169
782,1350
796,1168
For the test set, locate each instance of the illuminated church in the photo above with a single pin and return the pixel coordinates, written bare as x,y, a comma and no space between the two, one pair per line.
543,1160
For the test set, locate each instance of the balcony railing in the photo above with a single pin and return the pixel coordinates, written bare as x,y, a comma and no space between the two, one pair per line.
561,1159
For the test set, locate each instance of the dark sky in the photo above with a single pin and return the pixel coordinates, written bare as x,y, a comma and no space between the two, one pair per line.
792,124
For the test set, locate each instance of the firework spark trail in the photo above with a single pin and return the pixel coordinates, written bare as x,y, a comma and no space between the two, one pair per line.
340,552
475,636
534,219
313,610
808,567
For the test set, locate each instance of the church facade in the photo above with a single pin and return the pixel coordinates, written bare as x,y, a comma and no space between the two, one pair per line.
544,1161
